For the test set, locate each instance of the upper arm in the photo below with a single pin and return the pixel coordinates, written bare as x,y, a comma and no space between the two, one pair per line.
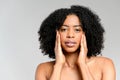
109,70
40,72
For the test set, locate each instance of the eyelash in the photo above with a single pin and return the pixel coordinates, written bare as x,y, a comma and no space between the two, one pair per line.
77,30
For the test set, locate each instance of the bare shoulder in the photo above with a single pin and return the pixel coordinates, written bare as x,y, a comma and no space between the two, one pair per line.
46,64
108,68
43,70
104,60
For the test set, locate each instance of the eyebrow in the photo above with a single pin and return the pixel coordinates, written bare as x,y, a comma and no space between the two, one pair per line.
73,26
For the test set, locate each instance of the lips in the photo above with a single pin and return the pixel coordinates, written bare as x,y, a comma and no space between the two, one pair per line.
70,43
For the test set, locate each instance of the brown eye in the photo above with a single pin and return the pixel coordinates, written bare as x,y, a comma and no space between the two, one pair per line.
77,30
63,29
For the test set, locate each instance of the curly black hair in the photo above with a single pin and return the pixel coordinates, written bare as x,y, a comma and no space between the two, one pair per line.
90,24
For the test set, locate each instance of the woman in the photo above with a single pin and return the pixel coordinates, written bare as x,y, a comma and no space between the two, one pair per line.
74,37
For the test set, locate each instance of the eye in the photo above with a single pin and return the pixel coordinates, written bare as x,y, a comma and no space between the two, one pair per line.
77,30
63,29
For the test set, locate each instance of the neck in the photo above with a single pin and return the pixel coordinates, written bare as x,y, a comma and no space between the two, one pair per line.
71,59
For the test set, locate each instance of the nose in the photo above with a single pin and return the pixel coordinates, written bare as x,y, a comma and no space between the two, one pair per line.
70,34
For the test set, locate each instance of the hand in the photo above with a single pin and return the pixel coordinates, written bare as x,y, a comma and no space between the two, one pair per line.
83,50
60,58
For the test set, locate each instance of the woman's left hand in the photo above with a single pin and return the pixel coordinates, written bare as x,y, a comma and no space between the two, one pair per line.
83,50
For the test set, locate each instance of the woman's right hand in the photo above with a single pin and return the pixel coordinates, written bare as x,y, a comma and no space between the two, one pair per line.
60,58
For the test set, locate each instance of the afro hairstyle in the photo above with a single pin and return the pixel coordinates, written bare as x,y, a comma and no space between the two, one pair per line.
90,24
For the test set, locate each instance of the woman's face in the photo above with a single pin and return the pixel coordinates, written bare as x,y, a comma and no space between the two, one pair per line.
70,34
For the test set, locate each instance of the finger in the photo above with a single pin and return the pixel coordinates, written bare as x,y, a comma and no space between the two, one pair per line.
81,43
56,42
58,38
85,44
84,41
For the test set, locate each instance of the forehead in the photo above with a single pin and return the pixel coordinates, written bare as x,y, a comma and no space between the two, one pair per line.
72,20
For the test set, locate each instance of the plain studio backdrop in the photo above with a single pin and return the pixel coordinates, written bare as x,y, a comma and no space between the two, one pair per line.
19,24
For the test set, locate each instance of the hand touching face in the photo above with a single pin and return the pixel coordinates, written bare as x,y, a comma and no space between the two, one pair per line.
83,50
60,58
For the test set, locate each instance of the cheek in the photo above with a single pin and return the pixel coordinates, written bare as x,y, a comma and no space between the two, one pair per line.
62,37
79,38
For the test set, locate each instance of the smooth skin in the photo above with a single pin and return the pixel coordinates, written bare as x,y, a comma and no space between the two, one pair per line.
71,61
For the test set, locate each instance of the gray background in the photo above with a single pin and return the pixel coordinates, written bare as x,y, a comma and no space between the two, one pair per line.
19,24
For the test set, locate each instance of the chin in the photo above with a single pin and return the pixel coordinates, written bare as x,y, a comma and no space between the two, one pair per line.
71,50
